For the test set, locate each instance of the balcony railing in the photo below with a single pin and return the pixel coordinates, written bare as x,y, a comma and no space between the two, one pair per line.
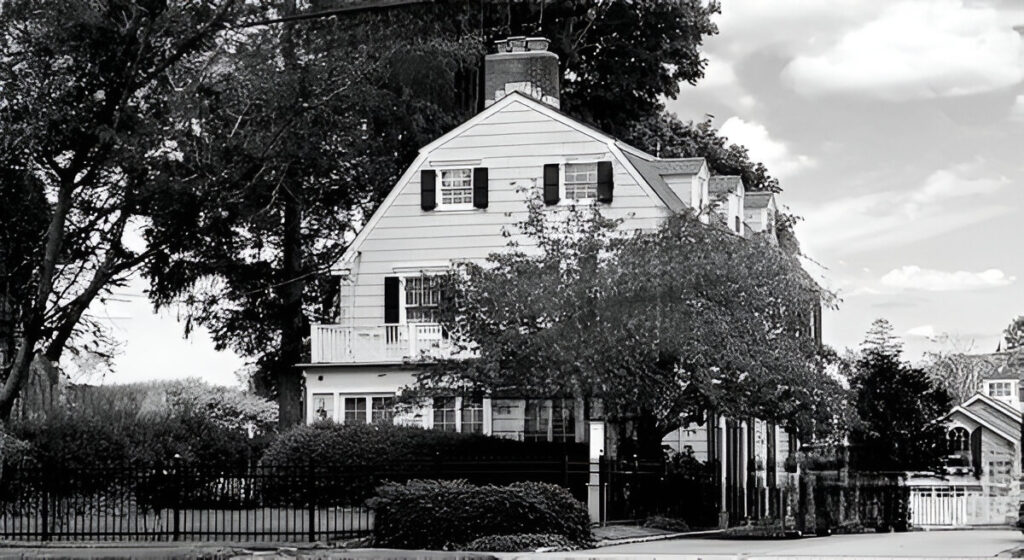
383,343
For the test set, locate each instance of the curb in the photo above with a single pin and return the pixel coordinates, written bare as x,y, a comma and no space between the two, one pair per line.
653,538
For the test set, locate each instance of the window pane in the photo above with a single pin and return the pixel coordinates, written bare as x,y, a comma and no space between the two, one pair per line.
323,406
355,410
456,186
563,420
580,181
382,409
444,414
472,415
422,296
538,418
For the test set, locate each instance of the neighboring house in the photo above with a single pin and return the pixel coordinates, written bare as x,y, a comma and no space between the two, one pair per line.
983,467
453,204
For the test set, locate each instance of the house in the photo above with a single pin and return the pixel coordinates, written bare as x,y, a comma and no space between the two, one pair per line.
981,485
453,204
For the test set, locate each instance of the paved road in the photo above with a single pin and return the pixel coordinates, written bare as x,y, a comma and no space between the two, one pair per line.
926,544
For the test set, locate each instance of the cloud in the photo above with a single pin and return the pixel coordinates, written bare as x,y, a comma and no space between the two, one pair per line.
948,199
923,331
1017,110
920,49
762,147
916,278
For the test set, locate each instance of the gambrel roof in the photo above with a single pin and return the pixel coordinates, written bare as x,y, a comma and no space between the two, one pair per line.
645,169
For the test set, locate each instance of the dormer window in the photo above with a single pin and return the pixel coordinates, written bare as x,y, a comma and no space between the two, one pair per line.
999,389
456,188
580,181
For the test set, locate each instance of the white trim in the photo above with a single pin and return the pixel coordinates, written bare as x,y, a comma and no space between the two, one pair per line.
985,423
996,403
427,267
439,193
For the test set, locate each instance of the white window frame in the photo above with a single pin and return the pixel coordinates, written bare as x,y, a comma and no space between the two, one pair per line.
403,316
314,417
367,400
563,195
458,415
1008,385
439,186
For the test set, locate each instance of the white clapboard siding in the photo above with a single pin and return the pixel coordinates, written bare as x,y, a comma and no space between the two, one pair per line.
514,143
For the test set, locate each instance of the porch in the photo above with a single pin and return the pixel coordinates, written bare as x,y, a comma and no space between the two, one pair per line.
389,343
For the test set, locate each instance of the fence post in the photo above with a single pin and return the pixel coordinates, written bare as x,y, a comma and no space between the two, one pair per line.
45,509
176,496
310,479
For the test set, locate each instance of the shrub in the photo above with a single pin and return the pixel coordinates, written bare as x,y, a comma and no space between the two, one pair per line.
519,543
436,514
348,461
667,523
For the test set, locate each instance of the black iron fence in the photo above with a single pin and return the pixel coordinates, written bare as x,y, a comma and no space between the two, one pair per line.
636,490
262,503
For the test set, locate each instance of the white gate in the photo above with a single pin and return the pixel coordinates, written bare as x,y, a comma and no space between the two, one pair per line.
938,506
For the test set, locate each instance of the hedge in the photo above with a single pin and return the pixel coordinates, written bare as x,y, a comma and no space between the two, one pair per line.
434,514
348,461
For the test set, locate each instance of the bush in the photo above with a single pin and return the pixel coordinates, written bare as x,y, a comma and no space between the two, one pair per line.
435,514
348,462
529,542
667,524
329,443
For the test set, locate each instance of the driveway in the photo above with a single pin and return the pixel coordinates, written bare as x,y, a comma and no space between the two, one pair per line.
922,544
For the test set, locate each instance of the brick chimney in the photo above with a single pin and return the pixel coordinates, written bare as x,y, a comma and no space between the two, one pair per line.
522,64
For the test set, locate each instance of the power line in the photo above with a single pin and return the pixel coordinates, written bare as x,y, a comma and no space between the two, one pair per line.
355,6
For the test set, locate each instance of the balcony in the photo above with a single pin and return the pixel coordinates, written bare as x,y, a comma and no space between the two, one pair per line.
337,344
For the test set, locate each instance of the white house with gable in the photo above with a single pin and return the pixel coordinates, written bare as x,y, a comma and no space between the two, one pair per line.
452,204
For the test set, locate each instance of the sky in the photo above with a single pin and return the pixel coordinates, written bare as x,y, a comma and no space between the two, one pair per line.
896,129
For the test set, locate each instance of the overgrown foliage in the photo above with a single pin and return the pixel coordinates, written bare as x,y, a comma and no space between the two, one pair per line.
407,515
657,326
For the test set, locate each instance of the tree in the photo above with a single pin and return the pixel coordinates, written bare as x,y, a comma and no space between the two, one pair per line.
1014,334
290,138
85,89
657,327
899,409
298,131
881,340
958,371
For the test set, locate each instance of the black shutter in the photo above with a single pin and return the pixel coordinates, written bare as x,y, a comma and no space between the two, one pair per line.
428,190
605,182
551,183
480,187
391,287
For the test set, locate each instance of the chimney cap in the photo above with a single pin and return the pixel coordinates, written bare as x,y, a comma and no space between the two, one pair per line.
521,43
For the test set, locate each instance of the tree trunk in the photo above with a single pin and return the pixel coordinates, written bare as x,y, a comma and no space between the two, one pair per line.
287,375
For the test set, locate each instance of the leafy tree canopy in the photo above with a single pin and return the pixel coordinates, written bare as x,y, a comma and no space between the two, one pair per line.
899,409
1014,334
658,326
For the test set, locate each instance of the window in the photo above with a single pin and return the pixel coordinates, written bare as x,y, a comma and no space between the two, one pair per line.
355,410
422,295
538,417
323,406
999,389
580,181
563,420
456,188
958,439
382,409
472,415
444,414
550,420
